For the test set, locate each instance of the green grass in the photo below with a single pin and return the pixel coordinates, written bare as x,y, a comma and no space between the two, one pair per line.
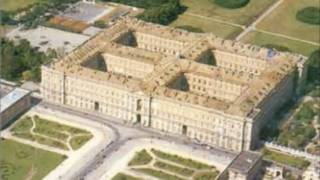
287,23
25,124
47,124
179,160
241,16
222,30
158,174
41,140
297,162
17,159
140,158
79,141
260,39
206,176
122,176
58,132
174,169
12,5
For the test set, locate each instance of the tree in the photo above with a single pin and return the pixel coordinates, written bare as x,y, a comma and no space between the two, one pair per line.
20,61
156,11
309,15
231,4
314,67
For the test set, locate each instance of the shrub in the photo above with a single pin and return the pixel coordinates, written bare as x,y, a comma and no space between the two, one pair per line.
310,15
314,67
100,24
231,4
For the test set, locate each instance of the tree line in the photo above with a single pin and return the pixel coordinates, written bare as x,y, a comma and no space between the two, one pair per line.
156,11
34,14
20,61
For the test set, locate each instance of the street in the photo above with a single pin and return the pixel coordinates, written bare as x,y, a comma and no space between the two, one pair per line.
123,134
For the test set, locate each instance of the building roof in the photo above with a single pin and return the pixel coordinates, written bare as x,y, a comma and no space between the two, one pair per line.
245,161
11,98
167,67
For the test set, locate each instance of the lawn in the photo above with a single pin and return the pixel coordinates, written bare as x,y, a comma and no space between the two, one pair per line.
50,133
206,176
157,173
19,161
260,39
174,169
12,5
122,176
166,166
140,158
241,16
297,162
180,160
219,29
283,20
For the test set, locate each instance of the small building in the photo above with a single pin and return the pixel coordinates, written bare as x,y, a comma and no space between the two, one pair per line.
13,104
246,166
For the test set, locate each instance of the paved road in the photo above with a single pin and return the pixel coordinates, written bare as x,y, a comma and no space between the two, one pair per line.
252,26
123,134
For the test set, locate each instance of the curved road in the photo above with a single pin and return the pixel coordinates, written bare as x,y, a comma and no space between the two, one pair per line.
123,134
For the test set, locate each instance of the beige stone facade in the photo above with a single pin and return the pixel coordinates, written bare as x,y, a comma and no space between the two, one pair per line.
217,91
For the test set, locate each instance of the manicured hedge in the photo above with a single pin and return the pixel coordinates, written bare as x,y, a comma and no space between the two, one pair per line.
231,4
310,15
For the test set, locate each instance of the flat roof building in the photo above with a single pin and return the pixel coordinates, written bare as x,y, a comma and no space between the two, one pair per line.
13,104
247,166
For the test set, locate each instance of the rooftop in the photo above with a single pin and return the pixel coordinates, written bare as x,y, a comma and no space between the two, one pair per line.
11,98
245,161
168,67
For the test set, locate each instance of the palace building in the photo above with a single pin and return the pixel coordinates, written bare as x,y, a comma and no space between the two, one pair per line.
220,92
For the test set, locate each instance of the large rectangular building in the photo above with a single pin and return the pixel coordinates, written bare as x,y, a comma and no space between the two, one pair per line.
220,92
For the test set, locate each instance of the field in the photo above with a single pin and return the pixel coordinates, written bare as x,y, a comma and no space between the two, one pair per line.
219,29
12,5
241,16
19,161
283,21
166,166
50,133
260,39
209,17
